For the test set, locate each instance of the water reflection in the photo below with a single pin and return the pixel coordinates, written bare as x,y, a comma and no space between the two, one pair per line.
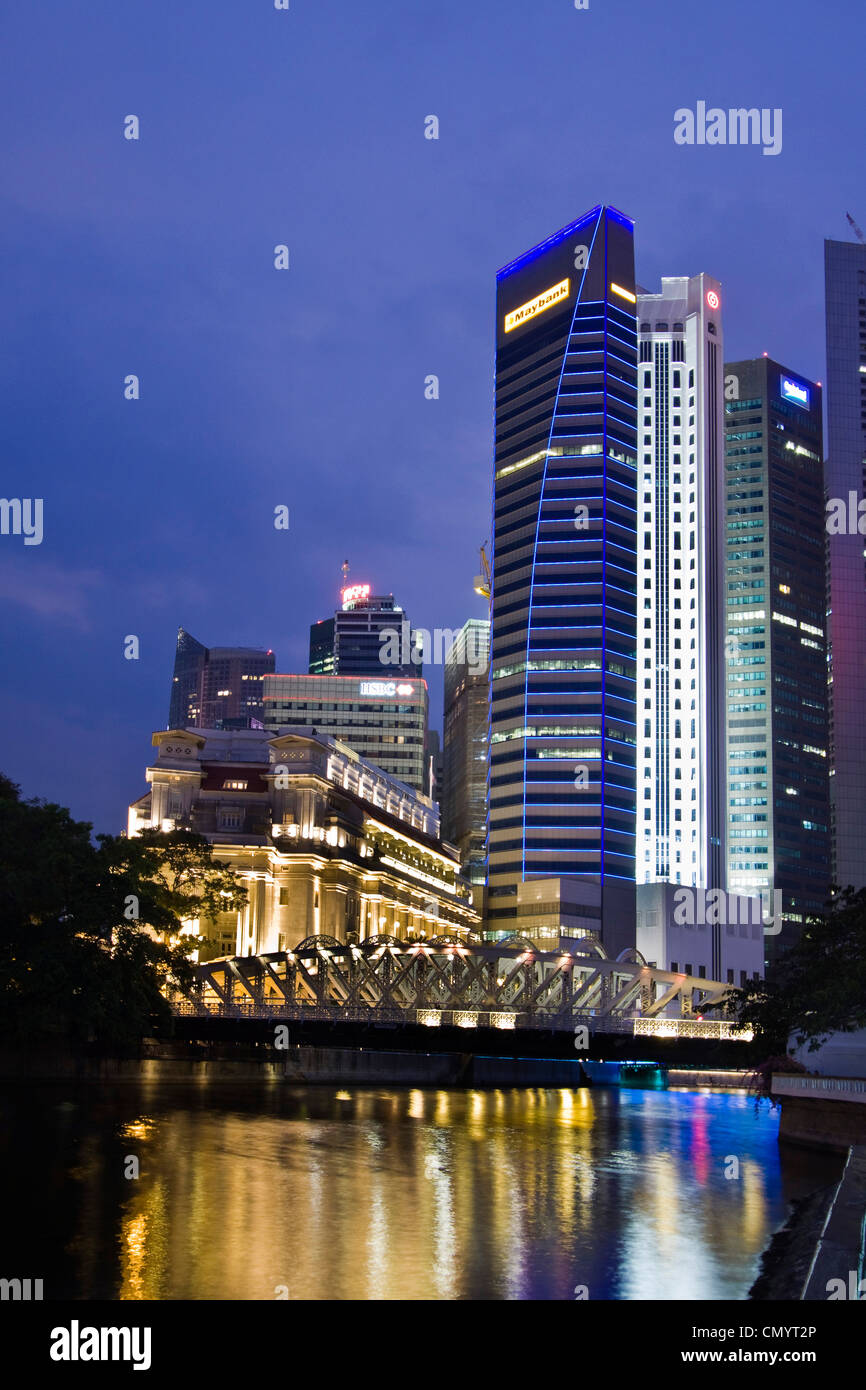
397,1194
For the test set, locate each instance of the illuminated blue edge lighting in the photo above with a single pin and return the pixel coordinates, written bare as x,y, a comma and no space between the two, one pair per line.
561,235
597,212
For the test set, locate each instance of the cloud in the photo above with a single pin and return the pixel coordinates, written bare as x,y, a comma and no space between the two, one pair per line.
49,590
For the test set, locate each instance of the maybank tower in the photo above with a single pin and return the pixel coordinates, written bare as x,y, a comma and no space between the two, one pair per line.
561,818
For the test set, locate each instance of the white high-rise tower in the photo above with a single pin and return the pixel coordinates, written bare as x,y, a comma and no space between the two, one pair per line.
680,579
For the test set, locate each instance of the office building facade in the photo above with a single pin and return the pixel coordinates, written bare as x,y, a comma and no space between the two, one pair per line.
680,686
463,794
325,843
562,681
721,937
845,480
212,685
369,635
384,719
776,648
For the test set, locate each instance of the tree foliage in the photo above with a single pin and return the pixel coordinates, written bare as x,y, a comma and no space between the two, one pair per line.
818,986
90,932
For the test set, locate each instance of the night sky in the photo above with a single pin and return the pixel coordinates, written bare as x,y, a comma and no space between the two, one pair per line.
306,387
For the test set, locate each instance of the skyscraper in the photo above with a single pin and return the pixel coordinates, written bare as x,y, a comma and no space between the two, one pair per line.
384,720
213,686
185,701
463,795
845,291
681,742
776,667
562,701
359,639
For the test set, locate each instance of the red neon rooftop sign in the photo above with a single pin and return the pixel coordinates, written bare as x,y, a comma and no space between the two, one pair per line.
353,593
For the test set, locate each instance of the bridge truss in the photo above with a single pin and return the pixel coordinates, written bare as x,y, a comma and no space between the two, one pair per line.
449,981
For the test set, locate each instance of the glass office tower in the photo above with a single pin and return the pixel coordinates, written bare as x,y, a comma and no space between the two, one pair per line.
384,720
845,477
463,794
776,647
216,686
562,681
355,642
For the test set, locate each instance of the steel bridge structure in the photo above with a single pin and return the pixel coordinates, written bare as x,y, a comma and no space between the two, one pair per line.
451,981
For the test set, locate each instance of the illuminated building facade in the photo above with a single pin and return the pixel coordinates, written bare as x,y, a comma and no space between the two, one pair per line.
680,686
355,642
325,843
383,718
211,685
562,679
463,798
776,647
845,290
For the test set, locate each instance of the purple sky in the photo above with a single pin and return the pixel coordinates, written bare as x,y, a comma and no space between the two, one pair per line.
306,387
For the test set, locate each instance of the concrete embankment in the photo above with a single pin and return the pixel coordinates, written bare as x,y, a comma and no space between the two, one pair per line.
714,1078
308,1064
173,1063
825,1112
820,1252
334,1065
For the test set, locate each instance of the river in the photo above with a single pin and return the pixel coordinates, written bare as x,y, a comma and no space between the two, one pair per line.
265,1191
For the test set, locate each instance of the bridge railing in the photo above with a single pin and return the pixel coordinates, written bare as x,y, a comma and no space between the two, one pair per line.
278,1011
691,1028
825,1087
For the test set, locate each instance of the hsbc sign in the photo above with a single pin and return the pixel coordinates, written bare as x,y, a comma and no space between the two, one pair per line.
386,688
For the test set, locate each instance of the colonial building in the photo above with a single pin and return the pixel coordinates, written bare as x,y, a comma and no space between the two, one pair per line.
325,842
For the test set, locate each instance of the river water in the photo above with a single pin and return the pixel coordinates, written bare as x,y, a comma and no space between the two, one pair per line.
263,1192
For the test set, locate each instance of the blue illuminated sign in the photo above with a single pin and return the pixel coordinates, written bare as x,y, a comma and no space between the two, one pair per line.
795,391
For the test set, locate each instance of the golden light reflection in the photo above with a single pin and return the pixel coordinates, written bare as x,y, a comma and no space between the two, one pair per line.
134,1255
136,1129
415,1194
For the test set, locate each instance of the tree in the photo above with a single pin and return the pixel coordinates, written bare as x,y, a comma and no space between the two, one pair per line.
90,934
818,986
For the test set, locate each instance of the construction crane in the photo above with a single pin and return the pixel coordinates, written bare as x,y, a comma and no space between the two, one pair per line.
857,232
481,582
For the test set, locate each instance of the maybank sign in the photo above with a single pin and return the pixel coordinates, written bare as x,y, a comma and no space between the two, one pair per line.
538,305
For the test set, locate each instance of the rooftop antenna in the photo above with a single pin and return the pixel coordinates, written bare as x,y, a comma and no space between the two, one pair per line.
345,569
857,232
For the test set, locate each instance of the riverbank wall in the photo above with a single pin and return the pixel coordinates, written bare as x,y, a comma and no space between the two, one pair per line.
824,1112
215,1063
